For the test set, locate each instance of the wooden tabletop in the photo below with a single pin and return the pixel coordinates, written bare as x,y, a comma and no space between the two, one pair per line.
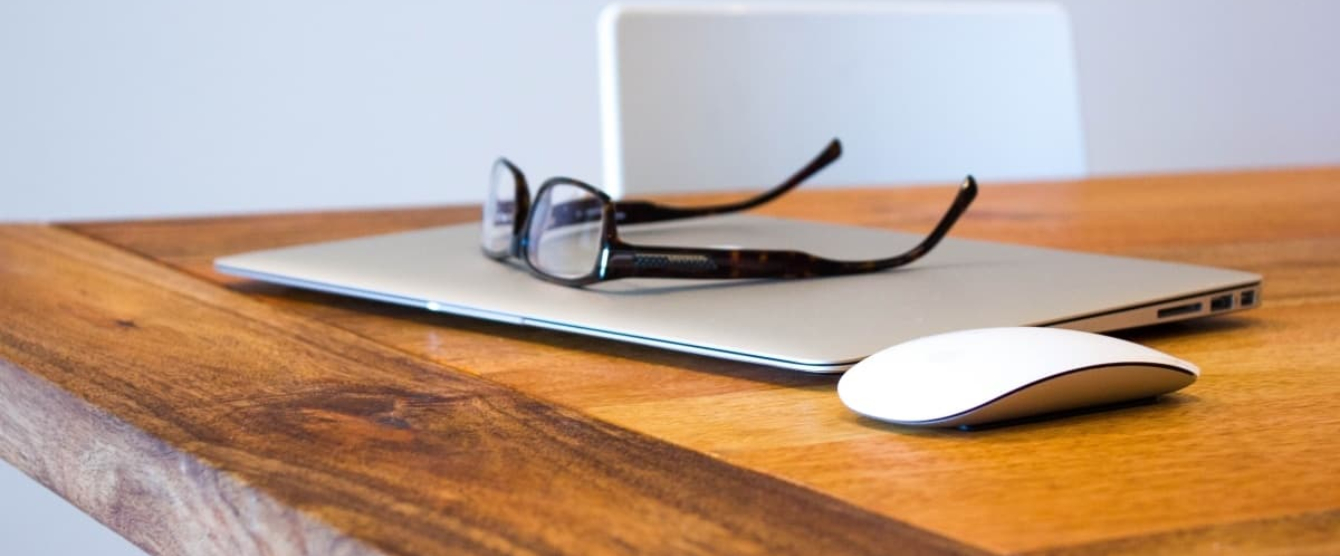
200,414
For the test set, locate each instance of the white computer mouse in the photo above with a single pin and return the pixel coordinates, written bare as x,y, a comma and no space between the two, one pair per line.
973,377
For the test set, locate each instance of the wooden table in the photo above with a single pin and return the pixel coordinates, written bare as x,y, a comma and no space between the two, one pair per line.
201,414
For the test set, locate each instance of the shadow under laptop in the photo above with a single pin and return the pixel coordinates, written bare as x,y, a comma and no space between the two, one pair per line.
1222,324
378,320
373,319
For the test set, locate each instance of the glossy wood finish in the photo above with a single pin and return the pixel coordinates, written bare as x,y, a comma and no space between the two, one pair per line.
367,403
195,420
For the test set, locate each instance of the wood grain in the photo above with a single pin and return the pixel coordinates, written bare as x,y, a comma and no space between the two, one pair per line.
1241,462
196,421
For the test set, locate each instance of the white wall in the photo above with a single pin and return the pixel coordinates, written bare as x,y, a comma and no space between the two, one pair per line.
1172,85
148,107
145,107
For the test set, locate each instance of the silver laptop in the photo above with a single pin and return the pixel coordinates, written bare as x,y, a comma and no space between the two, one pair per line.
820,325
714,95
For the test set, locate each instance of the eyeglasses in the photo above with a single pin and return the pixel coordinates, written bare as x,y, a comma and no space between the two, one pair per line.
569,235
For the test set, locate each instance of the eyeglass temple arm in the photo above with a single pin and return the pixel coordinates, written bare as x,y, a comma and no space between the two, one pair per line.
631,212
628,261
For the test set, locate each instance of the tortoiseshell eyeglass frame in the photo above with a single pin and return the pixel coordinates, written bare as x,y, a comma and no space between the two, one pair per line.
635,212
619,259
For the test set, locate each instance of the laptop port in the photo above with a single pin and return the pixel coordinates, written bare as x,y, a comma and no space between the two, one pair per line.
1179,310
1248,298
1222,302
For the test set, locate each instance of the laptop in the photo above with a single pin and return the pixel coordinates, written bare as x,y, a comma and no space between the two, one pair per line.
819,325
714,95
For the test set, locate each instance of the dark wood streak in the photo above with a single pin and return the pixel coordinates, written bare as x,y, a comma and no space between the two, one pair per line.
163,499
261,431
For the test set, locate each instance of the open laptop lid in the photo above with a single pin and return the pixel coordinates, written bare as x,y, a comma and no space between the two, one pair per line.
713,95
814,325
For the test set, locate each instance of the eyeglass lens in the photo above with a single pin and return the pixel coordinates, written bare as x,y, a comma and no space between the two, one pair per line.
564,237
499,211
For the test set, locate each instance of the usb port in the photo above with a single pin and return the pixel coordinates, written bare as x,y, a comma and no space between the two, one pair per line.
1222,302
1248,298
1179,310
